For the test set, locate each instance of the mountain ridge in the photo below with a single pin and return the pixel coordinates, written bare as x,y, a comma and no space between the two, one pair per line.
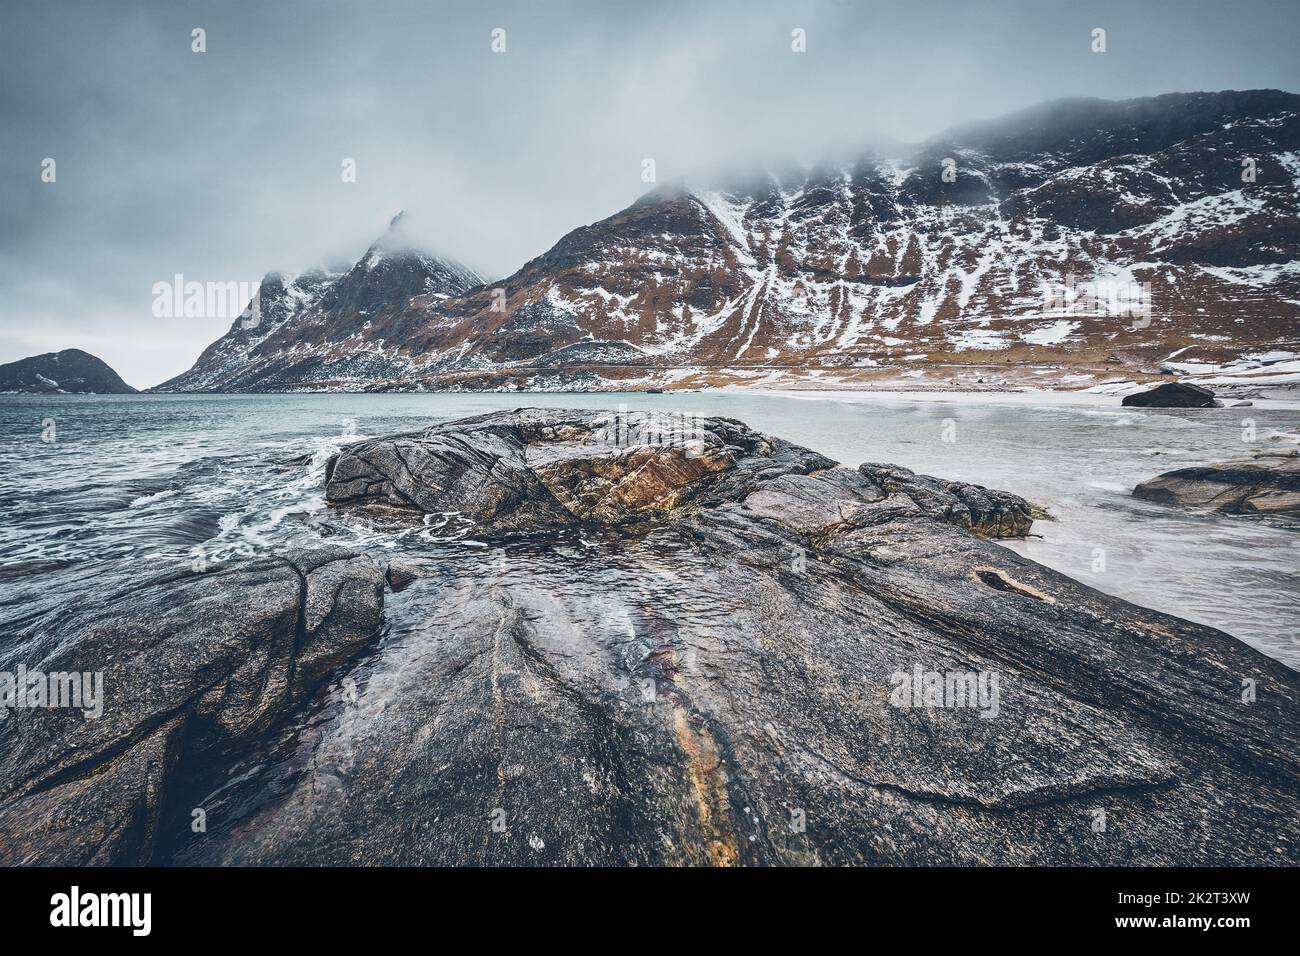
884,269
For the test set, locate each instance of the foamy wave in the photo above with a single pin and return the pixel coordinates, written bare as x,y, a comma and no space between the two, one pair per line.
150,499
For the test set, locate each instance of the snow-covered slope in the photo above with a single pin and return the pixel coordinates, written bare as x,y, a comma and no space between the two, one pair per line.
1066,245
329,329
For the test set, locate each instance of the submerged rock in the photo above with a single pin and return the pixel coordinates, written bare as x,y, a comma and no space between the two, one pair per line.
723,649
401,573
192,664
1268,485
1173,395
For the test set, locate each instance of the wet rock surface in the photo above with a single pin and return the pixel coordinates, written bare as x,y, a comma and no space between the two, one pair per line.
1267,485
192,663
660,642
703,651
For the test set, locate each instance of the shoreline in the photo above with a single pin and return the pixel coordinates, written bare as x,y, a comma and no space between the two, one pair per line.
1012,396
1043,397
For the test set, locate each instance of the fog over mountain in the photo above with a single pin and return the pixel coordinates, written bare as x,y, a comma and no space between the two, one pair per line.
226,164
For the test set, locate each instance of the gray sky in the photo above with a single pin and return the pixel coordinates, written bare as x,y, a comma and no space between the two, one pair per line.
226,164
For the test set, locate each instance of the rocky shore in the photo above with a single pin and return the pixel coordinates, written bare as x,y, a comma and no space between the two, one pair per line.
667,641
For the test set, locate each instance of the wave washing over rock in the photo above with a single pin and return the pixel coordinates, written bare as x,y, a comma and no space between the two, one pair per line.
669,640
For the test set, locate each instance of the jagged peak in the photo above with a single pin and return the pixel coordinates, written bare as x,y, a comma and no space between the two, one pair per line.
402,243
402,237
782,174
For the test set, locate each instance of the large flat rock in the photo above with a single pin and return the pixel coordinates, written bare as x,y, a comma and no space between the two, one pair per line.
705,667
665,642
1265,485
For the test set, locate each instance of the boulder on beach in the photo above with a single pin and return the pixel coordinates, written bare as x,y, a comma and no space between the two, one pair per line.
1267,484
1173,395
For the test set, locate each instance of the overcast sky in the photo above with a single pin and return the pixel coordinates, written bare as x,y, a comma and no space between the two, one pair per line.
224,165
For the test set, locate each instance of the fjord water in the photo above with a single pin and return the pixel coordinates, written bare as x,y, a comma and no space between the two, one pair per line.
139,484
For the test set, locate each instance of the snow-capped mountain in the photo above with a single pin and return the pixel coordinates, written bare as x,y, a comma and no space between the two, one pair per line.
327,326
1070,244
